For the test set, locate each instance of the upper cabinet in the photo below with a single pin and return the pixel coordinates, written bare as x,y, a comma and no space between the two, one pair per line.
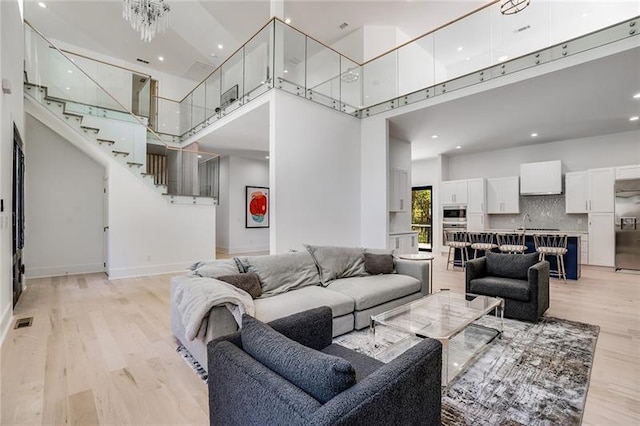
601,195
503,195
476,197
577,192
454,192
541,178
628,172
399,191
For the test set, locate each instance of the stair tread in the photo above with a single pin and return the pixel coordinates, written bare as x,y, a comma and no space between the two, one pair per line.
120,152
133,163
106,140
89,127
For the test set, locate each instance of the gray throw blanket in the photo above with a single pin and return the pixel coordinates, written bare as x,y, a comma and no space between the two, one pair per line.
196,296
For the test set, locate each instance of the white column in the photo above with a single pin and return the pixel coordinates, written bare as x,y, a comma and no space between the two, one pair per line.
277,8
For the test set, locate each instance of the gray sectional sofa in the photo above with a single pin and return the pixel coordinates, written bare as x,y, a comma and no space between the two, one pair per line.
354,282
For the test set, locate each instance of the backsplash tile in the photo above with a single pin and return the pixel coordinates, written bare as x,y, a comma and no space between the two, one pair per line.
546,211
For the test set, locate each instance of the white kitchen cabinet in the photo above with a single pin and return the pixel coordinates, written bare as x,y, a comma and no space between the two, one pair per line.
476,198
576,192
541,178
628,172
601,239
454,192
399,191
584,249
503,195
406,243
601,195
475,222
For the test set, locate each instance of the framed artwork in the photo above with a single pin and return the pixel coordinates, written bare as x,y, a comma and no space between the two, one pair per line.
257,207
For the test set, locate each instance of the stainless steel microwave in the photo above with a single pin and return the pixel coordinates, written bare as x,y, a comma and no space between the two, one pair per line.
454,213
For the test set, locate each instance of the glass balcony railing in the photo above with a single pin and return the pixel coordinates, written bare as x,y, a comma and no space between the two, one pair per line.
98,99
478,47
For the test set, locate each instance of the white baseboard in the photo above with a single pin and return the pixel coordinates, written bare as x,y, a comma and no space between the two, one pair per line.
245,250
58,271
5,322
139,271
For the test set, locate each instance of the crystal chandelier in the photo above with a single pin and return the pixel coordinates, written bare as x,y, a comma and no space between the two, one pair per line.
147,16
510,7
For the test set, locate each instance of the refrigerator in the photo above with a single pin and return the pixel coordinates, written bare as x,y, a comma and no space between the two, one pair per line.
627,228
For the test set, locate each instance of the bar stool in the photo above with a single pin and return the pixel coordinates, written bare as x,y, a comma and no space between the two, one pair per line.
482,241
553,245
457,240
511,242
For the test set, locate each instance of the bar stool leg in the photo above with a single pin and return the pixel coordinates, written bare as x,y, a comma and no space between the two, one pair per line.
562,272
449,258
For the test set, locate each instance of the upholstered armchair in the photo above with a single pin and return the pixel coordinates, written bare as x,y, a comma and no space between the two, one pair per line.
257,378
519,279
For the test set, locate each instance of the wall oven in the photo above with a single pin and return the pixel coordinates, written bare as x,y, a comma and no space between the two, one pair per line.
454,215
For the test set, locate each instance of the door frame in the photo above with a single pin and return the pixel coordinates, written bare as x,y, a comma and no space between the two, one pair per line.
17,215
430,231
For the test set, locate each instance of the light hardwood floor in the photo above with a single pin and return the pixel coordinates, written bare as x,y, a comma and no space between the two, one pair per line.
101,352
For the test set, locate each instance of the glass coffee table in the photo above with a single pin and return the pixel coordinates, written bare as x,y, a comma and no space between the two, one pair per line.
445,316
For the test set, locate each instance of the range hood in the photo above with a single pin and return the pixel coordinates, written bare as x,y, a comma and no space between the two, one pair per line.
544,178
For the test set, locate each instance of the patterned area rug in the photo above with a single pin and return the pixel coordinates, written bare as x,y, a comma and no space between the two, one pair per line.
189,359
536,374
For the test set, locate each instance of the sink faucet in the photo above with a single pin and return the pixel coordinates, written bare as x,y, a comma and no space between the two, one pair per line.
524,221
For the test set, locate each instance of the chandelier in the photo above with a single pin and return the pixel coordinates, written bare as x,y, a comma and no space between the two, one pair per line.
147,16
511,7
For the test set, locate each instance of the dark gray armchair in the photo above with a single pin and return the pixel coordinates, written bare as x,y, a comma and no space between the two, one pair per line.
243,391
519,279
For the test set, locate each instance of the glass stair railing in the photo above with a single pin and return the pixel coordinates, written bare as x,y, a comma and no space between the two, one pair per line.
55,80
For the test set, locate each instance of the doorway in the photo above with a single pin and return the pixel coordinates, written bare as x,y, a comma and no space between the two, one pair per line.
17,211
421,216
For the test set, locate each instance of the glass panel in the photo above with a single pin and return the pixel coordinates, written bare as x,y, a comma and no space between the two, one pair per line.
192,172
416,65
351,85
380,80
456,53
198,106
144,99
213,94
323,72
257,56
186,124
168,116
232,81
290,57
516,35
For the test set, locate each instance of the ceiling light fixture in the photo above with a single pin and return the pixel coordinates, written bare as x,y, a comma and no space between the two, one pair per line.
220,46
434,136
459,48
149,17
160,58
44,6
634,118
511,7
636,96
458,147
70,72
266,157
534,135
287,21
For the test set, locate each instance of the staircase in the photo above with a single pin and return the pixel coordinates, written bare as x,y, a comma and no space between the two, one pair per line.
84,125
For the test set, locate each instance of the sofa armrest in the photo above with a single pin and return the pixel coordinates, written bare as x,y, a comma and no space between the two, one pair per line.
242,391
538,277
416,269
476,268
411,384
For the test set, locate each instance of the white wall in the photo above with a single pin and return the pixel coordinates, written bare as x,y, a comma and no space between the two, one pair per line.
235,237
63,205
314,175
148,234
11,111
400,158
576,154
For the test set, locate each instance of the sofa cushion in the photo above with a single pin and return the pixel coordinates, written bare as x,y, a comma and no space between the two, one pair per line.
215,268
248,282
374,290
280,273
271,308
321,375
376,264
510,265
508,288
363,364
337,262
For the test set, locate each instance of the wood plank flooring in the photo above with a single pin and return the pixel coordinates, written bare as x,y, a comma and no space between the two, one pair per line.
101,352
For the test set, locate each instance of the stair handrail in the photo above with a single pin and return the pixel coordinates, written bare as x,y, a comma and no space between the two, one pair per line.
124,108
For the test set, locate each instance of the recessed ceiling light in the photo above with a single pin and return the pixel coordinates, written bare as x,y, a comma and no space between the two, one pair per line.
266,157
503,58
459,48
41,4
584,15
177,112
199,156
434,136
534,135
285,71
68,88
213,55
636,96
287,21
634,118
160,58
458,147
70,72
467,58
220,46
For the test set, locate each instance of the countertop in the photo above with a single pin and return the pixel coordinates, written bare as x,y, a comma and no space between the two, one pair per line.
402,233
532,232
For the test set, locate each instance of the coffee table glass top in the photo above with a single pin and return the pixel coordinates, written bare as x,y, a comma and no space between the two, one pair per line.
440,315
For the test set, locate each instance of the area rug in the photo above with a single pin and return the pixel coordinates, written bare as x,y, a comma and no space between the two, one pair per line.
536,374
189,359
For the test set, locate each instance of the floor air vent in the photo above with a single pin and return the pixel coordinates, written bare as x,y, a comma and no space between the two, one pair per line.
24,322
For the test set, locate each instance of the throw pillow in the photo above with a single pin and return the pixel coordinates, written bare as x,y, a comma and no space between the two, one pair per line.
320,375
510,265
215,268
248,282
376,264
338,262
280,273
